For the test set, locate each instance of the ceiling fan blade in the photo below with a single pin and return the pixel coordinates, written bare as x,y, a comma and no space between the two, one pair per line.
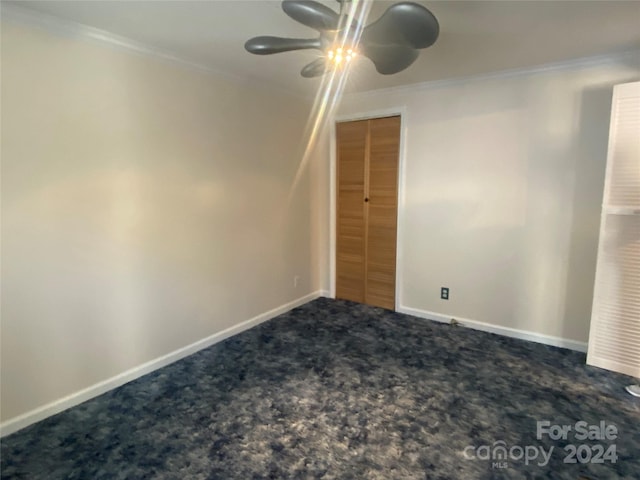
390,59
315,69
405,23
267,45
312,14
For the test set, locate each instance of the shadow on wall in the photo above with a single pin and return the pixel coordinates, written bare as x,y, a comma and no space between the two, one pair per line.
593,134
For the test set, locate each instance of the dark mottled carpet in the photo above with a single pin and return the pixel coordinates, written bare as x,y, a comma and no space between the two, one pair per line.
337,390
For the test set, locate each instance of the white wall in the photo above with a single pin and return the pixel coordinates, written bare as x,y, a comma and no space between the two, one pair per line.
144,207
504,180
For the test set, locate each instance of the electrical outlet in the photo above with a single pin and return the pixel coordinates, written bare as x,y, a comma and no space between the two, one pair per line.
296,280
444,293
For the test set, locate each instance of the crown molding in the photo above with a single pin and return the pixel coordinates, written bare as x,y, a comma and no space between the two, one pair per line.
81,32
632,57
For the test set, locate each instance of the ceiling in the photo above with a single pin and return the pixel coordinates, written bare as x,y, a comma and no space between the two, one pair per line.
476,37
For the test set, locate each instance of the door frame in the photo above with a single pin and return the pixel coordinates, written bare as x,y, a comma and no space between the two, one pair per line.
366,115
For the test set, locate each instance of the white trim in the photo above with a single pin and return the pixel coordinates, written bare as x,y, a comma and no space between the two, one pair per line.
498,329
402,204
632,56
79,31
379,113
40,413
332,207
387,112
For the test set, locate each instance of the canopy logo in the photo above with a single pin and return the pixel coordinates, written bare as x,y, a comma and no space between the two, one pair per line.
500,454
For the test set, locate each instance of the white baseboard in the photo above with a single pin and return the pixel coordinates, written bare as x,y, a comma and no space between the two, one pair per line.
500,330
40,413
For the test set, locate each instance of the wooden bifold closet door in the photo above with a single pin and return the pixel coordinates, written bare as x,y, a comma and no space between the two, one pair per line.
367,210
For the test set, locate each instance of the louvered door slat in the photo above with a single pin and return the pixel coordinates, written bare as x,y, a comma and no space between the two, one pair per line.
614,339
351,228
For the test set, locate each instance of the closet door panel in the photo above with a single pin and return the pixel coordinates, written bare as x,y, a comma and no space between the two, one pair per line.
614,342
384,147
614,338
350,241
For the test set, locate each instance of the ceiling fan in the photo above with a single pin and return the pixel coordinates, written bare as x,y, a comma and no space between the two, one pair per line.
392,42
